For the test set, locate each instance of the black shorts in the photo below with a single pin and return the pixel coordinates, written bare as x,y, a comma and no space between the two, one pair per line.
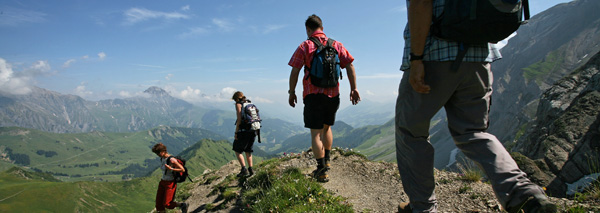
244,142
319,110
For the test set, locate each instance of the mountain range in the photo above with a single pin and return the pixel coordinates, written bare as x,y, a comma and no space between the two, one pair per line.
53,112
544,107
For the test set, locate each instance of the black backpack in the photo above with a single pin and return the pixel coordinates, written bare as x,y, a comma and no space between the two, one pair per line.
179,176
325,68
476,22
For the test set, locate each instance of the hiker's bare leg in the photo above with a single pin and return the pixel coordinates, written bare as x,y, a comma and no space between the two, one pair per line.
249,158
326,137
240,158
317,144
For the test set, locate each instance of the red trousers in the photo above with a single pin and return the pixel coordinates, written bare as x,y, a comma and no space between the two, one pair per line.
165,195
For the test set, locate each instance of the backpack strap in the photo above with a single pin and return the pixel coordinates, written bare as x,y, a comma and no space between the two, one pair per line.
317,42
330,44
319,47
462,51
526,9
258,135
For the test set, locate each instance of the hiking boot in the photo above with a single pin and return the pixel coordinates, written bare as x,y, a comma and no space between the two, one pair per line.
250,171
537,204
183,207
243,172
404,207
321,175
327,165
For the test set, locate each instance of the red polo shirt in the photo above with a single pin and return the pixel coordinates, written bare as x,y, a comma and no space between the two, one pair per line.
304,55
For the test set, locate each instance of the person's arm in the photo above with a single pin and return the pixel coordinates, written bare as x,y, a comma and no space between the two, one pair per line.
293,81
177,167
354,95
419,21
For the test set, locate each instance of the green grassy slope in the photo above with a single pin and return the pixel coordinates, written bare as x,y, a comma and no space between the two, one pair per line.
95,156
23,191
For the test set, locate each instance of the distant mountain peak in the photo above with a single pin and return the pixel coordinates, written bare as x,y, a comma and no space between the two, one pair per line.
156,91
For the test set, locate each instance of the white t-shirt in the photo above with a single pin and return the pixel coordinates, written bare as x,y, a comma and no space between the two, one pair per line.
168,175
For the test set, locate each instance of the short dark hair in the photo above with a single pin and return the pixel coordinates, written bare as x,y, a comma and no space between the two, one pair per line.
313,22
159,147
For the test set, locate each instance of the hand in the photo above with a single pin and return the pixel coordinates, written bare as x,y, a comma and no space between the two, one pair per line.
168,167
235,136
293,100
417,77
354,97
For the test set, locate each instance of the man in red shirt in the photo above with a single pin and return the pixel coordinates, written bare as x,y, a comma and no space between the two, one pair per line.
320,104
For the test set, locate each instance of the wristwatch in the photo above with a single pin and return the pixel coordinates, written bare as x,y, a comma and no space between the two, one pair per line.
414,57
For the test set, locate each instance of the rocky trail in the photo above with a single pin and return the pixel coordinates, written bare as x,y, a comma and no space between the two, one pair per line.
369,186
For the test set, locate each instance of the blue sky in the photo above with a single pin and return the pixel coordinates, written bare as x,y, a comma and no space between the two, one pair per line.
200,51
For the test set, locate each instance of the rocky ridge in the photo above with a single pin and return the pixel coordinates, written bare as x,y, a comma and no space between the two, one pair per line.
369,186
551,45
565,140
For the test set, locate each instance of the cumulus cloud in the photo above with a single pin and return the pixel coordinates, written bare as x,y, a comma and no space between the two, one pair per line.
193,95
21,83
125,94
135,15
101,56
81,91
185,8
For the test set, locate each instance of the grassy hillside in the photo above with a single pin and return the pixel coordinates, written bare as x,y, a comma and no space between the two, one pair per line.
23,191
21,194
95,156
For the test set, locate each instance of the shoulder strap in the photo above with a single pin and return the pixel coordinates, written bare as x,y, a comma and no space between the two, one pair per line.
168,162
330,42
317,42
526,9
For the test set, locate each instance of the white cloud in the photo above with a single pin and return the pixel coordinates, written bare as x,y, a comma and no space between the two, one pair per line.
20,83
227,92
260,100
85,57
196,96
135,15
185,8
125,94
13,16
369,92
168,77
68,63
223,25
272,28
101,56
81,91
